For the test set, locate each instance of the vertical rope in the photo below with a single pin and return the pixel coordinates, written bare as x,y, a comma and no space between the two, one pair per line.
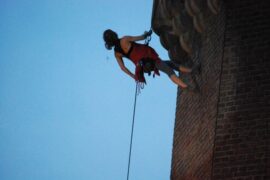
132,130
219,86
139,86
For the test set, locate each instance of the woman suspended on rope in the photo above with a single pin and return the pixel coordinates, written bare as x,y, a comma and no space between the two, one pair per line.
143,56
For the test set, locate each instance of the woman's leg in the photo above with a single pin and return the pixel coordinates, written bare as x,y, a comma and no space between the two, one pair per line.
178,67
166,68
178,81
185,69
196,69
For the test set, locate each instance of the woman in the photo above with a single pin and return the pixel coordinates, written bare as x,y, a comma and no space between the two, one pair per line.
143,56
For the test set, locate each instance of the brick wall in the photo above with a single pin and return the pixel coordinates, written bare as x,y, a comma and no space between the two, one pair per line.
223,133
242,130
196,113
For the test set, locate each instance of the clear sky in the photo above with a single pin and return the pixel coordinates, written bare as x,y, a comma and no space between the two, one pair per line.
65,105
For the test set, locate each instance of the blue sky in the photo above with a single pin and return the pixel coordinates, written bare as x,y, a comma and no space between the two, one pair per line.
65,105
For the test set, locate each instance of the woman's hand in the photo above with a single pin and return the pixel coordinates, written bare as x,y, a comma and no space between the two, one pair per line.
121,64
147,33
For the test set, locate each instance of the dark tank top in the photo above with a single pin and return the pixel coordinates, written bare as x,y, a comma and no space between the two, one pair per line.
118,48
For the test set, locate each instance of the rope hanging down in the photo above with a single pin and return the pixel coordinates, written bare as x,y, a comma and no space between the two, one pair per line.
132,130
139,86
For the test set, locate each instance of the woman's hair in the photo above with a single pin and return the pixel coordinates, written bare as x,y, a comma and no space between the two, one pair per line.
111,38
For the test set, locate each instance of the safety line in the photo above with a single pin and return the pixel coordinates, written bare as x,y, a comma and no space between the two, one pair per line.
132,130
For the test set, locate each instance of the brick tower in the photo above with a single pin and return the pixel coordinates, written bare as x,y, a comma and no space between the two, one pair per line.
223,131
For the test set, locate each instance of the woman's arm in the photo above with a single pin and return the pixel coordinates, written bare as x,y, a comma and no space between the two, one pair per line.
137,38
134,38
122,65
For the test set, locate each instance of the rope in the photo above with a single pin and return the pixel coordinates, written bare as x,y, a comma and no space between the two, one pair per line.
148,38
139,86
132,130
